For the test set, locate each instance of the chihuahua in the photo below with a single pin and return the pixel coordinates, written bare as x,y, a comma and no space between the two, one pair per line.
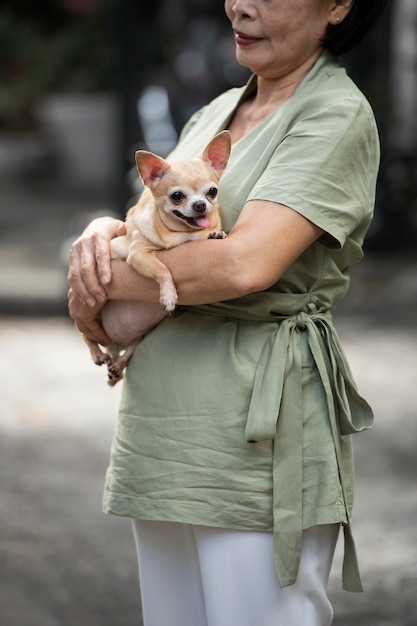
179,204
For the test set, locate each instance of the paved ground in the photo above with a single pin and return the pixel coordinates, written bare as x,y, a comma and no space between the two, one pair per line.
62,562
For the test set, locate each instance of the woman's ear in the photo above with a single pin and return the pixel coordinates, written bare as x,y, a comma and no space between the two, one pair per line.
339,10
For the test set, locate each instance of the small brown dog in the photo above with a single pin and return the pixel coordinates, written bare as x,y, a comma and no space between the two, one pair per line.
179,204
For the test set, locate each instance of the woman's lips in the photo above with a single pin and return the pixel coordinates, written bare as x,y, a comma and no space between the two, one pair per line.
242,39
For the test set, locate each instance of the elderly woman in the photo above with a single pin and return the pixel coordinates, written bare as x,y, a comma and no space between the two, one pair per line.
232,452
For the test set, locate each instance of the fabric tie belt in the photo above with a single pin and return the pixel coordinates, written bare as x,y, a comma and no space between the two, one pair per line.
276,413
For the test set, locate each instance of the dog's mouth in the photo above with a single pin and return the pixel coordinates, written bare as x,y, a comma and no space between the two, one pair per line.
194,222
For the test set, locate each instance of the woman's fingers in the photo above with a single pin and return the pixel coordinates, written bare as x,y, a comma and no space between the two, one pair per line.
102,254
83,271
90,269
86,318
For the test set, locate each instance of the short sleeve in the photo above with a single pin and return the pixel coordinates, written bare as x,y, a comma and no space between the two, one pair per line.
326,168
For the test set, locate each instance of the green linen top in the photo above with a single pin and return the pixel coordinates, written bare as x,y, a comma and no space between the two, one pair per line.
239,414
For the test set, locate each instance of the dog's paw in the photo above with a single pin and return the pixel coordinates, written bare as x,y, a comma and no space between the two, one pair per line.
168,299
169,305
101,359
217,234
114,374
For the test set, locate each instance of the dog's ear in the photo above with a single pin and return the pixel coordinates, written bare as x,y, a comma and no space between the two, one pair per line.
218,151
150,167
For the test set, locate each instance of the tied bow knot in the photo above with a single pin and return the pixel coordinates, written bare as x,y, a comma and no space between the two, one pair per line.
300,321
276,413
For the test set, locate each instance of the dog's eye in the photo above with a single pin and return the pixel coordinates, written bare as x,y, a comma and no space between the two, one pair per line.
212,192
177,196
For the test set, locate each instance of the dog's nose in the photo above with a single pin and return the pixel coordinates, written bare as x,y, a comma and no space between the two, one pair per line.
199,206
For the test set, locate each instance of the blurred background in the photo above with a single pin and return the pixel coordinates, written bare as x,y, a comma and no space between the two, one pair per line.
83,84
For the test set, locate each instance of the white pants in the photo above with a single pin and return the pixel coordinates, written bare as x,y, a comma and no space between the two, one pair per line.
202,576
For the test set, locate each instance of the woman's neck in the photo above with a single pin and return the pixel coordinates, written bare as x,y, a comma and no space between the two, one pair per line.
270,94
281,86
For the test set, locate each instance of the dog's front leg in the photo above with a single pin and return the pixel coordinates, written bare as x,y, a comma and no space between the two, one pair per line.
145,262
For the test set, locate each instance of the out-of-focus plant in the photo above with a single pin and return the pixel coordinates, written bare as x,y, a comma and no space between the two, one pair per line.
81,7
37,58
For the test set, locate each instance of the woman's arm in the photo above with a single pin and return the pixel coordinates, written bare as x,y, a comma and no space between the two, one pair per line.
266,239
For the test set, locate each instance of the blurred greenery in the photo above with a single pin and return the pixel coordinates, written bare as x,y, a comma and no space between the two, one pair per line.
185,46
37,58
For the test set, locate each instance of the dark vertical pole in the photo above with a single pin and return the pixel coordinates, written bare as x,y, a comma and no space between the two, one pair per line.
136,35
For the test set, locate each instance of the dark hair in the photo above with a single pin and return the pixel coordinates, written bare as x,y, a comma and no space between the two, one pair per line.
342,37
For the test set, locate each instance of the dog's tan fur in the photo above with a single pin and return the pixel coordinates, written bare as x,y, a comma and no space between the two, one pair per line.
179,204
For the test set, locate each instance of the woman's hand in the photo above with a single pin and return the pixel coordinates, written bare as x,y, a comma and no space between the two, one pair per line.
87,319
89,271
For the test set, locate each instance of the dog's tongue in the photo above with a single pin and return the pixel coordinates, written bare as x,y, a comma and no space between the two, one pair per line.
202,222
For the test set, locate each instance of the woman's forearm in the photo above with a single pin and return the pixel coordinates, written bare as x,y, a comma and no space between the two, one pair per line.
266,239
202,272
